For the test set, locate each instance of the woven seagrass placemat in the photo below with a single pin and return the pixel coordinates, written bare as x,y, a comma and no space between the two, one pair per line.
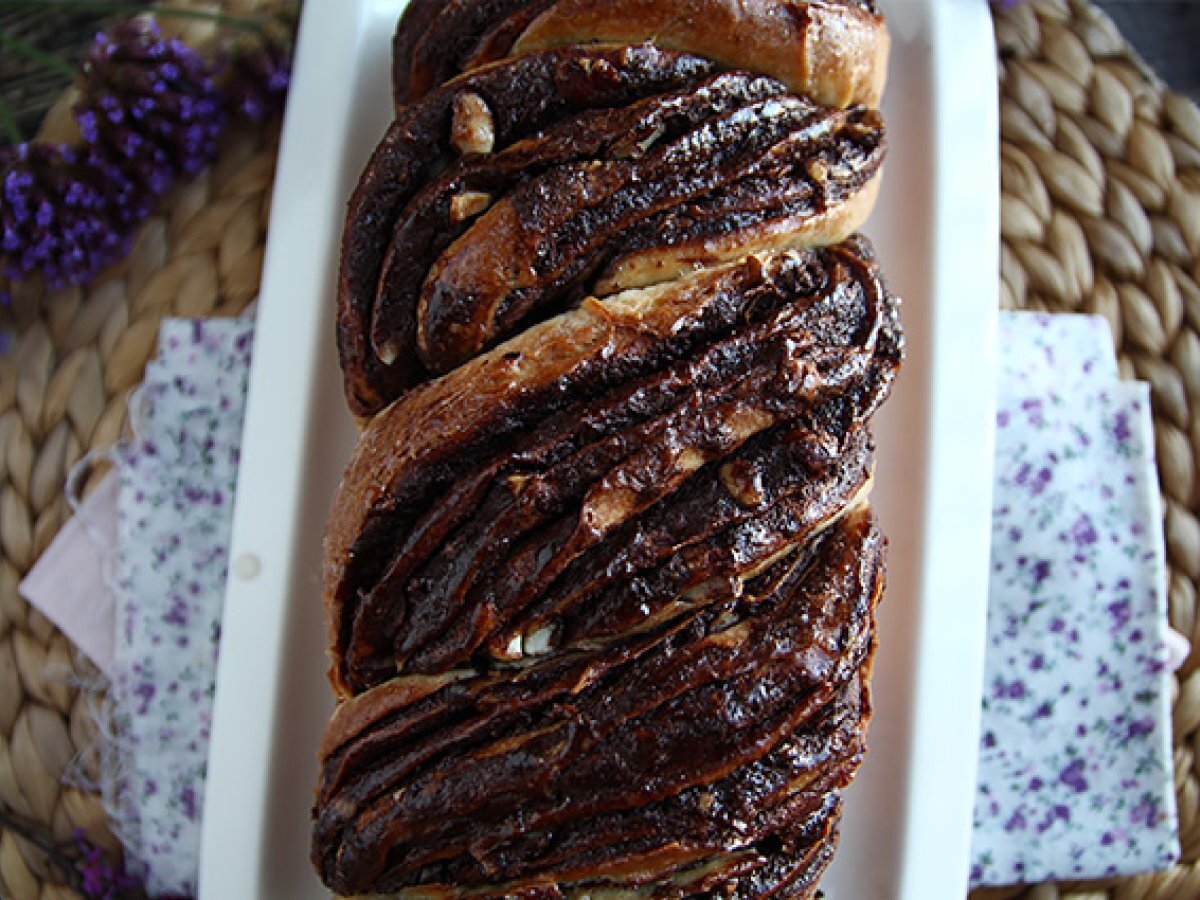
1101,213
1100,192
64,380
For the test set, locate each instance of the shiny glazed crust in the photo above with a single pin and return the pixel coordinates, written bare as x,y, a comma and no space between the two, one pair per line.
524,96
495,784
451,425
833,50
698,447
600,170
600,578
835,53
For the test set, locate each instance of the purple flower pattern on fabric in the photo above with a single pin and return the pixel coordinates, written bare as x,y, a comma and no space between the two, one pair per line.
1075,774
174,518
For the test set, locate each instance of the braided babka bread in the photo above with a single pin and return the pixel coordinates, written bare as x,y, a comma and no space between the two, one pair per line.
600,577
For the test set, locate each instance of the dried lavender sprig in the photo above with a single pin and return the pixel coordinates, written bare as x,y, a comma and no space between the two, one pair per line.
149,112
84,865
149,104
58,217
256,70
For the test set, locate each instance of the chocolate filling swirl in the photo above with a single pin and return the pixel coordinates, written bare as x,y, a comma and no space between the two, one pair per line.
601,576
654,167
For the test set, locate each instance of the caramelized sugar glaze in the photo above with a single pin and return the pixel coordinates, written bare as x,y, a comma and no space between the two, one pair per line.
600,579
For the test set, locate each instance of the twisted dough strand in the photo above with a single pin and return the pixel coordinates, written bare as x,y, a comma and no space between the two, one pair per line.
601,597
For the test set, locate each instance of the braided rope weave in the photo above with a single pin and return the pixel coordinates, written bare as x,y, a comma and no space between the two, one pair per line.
1101,213
1100,193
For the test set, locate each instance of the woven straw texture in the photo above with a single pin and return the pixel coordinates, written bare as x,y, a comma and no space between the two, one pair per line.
1101,213
76,355
1100,182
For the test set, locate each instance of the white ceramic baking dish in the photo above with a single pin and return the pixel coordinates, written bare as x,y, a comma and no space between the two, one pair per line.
906,832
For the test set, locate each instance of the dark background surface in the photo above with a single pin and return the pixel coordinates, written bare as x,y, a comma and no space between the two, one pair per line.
1167,35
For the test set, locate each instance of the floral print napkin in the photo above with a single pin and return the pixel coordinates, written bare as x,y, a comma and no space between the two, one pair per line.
1075,767
177,477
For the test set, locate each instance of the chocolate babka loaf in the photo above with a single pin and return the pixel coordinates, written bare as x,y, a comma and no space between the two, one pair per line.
600,577
585,172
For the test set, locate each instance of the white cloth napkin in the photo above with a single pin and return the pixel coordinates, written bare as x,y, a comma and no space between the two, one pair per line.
174,515
1075,769
137,578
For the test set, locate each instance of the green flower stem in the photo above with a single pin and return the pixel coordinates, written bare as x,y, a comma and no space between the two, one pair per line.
29,51
103,6
8,124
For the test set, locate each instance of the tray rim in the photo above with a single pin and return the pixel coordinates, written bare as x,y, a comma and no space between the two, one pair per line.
933,862
966,229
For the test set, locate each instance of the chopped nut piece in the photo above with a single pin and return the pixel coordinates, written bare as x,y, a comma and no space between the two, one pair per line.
468,205
537,642
513,650
388,354
472,129
608,508
743,483
690,460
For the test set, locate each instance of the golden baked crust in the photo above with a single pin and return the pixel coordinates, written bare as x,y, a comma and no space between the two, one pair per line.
836,53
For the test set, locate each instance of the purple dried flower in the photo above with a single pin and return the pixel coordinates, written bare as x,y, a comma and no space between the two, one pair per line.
1073,776
148,105
150,111
257,72
59,216
99,879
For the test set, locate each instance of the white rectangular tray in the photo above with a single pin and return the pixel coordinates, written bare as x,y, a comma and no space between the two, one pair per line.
906,832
